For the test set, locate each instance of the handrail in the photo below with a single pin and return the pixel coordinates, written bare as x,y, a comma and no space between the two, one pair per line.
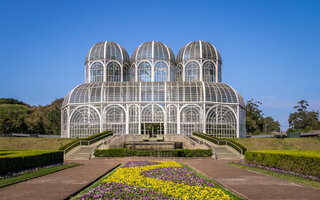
226,142
97,146
85,141
64,151
206,143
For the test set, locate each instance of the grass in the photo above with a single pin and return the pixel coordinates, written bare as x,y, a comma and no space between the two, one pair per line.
15,143
288,177
216,185
34,174
95,184
253,144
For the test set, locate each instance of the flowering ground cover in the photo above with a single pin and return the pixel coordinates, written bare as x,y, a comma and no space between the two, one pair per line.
155,180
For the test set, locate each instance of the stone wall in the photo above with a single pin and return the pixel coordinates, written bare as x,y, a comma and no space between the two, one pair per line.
186,142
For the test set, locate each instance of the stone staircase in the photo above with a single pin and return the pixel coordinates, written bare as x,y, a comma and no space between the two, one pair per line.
84,152
80,153
222,152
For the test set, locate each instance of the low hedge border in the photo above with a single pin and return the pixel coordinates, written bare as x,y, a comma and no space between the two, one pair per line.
304,162
16,160
122,152
92,137
222,141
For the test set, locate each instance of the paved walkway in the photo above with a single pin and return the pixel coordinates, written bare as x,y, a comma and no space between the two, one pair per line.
250,184
58,185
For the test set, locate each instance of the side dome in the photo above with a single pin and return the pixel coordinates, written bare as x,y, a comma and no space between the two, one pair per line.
198,50
152,50
107,50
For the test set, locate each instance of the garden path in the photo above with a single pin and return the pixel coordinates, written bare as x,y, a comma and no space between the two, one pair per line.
61,184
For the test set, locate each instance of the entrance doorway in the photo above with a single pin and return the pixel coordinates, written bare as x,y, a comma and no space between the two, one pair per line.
152,129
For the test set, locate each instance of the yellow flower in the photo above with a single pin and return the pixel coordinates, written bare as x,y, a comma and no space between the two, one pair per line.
131,176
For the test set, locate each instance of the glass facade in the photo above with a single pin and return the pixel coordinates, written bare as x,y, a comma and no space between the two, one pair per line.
175,96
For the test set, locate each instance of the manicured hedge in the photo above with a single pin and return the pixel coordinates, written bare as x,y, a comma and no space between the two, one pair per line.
222,141
304,162
122,152
106,133
16,160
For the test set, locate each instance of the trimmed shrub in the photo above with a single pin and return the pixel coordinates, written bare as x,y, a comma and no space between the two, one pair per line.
304,162
222,141
122,152
11,161
92,137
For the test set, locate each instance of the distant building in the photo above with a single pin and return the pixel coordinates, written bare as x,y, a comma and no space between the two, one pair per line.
153,93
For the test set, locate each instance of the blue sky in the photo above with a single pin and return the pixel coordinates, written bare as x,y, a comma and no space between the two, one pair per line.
270,49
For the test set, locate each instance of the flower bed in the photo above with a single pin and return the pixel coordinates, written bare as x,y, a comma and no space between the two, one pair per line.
155,180
280,171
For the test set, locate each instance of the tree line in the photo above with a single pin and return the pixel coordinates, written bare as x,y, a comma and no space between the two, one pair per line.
302,120
19,117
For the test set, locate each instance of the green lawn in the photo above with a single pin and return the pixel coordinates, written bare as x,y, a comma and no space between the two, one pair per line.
253,144
34,174
296,179
14,143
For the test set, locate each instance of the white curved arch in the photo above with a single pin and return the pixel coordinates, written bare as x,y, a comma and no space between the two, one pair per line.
133,119
192,74
191,119
115,72
84,121
209,74
146,77
172,119
158,76
150,113
114,118
90,68
221,121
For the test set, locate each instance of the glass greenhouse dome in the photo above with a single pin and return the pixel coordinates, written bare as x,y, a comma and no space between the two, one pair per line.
153,93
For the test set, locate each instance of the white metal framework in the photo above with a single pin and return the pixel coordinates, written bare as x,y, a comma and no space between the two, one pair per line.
162,97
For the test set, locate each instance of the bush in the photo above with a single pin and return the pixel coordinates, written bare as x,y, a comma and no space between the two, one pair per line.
122,152
222,141
11,161
92,137
304,162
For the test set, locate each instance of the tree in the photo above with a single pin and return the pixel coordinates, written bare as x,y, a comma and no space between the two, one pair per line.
270,125
18,117
12,101
302,118
254,116
256,123
12,118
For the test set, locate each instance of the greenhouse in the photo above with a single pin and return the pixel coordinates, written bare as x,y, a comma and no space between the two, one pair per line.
153,93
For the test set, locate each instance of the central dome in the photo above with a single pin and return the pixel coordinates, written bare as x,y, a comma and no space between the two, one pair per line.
152,50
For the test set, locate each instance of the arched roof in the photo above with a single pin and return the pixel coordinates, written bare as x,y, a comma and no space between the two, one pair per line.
198,50
134,92
152,50
107,50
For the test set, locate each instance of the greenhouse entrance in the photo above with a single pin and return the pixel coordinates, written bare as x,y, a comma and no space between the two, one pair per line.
152,129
